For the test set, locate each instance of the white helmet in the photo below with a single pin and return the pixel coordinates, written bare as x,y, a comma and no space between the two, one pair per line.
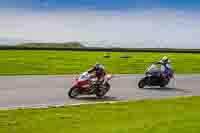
165,59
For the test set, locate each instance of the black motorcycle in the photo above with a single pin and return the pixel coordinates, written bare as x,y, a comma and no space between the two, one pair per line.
153,77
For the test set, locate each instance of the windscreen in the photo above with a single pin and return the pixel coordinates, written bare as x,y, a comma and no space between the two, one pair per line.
153,68
84,76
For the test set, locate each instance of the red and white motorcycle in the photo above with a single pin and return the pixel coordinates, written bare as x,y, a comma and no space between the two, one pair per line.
85,85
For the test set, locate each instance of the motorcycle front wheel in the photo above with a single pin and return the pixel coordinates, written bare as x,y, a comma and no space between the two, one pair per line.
73,92
141,83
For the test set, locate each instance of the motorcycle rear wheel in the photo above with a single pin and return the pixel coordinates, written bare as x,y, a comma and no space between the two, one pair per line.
101,93
164,84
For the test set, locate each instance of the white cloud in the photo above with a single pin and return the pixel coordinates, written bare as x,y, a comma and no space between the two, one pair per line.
153,28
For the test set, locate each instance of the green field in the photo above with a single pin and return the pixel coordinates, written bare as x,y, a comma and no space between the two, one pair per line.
19,62
179,115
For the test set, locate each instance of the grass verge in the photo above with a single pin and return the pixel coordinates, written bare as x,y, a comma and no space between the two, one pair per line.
178,115
21,62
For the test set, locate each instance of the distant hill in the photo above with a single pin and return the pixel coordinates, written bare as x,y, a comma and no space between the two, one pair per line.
11,41
52,45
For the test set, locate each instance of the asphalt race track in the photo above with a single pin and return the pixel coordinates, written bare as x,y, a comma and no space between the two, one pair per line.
35,91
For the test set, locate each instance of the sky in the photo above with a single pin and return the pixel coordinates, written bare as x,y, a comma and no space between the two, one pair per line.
121,23
101,4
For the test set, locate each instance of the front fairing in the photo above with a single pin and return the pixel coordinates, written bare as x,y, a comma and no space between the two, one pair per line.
75,83
81,84
148,74
154,74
